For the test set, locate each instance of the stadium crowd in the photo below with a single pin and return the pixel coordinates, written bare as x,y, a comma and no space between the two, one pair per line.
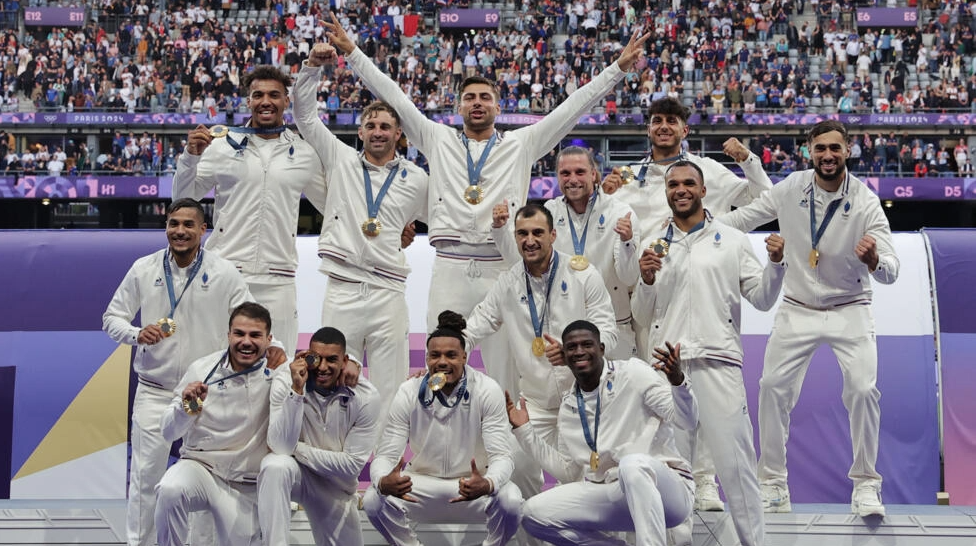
717,57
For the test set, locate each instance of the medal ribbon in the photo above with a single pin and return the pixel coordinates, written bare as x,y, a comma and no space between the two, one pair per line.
534,317
458,394
475,171
579,244
240,146
829,213
582,411
255,368
373,207
168,273
326,393
650,161
700,225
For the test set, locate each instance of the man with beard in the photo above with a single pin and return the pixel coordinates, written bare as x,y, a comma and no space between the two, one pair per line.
183,295
372,195
615,458
827,300
473,169
592,229
454,419
321,434
258,173
694,272
220,409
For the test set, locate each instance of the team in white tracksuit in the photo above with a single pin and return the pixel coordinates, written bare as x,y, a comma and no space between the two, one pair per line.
443,441
613,258
366,274
320,444
201,328
695,302
642,483
467,262
827,304
257,190
222,450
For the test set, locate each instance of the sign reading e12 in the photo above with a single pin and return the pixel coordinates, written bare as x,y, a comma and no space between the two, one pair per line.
54,17
468,18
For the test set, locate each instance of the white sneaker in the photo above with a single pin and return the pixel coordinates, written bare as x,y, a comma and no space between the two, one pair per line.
707,497
866,501
775,499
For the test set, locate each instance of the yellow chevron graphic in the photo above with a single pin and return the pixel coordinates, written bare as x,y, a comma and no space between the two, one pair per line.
95,419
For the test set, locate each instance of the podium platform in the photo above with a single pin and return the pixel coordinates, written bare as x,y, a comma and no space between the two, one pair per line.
102,523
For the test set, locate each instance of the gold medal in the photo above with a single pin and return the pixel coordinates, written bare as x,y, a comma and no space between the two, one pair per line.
219,131
193,407
579,262
371,227
312,360
627,175
437,381
660,247
473,194
813,258
594,461
167,326
539,346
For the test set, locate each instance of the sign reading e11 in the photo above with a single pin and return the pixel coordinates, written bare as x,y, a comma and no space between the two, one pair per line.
468,18
54,17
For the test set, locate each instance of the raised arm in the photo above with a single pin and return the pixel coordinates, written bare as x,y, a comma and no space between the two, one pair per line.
761,285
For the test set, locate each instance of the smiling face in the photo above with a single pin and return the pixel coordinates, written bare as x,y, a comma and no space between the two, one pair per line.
575,175
379,132
446,355
829,153
248,339
479,107
584,354
267,101
332,359
666,133
684,191
535,239
184,230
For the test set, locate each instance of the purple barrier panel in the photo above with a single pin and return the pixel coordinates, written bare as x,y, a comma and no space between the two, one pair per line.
953,255
468,18
886,17
819,445
45,270
8,376
54,17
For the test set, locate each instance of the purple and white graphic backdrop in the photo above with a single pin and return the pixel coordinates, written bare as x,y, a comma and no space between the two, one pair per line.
58,283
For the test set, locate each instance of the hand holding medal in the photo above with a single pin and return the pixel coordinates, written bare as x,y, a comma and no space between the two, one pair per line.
194,395
150,335
200,137
299,368
651,261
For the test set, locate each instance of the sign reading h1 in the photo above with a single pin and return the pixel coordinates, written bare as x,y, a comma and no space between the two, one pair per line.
54,17
468,18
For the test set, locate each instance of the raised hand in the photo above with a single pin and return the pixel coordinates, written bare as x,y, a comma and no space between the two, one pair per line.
518,416
555,351
669,362
473,487
775,247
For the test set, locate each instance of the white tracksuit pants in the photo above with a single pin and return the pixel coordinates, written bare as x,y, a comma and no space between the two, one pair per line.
374,320
189,487
459,285
798,331
725,428
333,515
150,455
393,517
280,301
648,498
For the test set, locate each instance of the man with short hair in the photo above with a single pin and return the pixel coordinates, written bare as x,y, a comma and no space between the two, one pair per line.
321,434
842,240
372,196
258,174
183,295
624,475
473,169
220,410
694,273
